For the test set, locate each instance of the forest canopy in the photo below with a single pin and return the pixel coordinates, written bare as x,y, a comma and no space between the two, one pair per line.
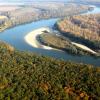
25,76
82,28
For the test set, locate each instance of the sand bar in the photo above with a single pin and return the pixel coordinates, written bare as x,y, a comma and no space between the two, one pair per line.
84,47
30,38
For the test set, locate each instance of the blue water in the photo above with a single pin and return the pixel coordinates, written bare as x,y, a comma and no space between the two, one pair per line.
15,37
95,11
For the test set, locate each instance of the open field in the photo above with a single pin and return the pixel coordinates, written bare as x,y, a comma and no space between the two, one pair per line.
28,13
8,8
3,17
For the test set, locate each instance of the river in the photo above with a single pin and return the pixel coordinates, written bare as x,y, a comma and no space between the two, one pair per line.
15,37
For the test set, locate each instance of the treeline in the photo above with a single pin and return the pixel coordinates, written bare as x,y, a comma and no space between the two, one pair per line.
17,17
66,10
84,29
25,76
28,14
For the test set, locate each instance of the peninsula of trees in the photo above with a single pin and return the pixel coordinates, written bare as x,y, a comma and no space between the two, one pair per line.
62,43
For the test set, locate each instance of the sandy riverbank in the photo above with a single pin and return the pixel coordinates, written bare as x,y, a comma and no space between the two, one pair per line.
30,38
84,47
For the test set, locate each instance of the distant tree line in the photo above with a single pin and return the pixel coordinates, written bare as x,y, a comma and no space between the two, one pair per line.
28,14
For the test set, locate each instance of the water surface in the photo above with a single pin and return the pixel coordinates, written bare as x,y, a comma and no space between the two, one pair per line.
15,37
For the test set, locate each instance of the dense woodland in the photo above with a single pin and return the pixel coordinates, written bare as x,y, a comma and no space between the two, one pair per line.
82,28
25,76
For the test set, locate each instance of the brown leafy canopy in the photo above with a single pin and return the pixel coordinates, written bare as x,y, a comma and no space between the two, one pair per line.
87,26
84,29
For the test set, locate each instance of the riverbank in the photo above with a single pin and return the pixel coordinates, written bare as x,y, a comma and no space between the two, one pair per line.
21,15
84,47
16,39
62,43
30,38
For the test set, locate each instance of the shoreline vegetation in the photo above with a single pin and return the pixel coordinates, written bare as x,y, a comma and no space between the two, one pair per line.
24,75
83,29
44,38
59,42
20,16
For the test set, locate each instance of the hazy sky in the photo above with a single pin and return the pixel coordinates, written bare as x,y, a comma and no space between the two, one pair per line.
14,2
28,0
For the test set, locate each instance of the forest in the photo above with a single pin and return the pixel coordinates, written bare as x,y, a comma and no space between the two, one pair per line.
84,29
28,76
